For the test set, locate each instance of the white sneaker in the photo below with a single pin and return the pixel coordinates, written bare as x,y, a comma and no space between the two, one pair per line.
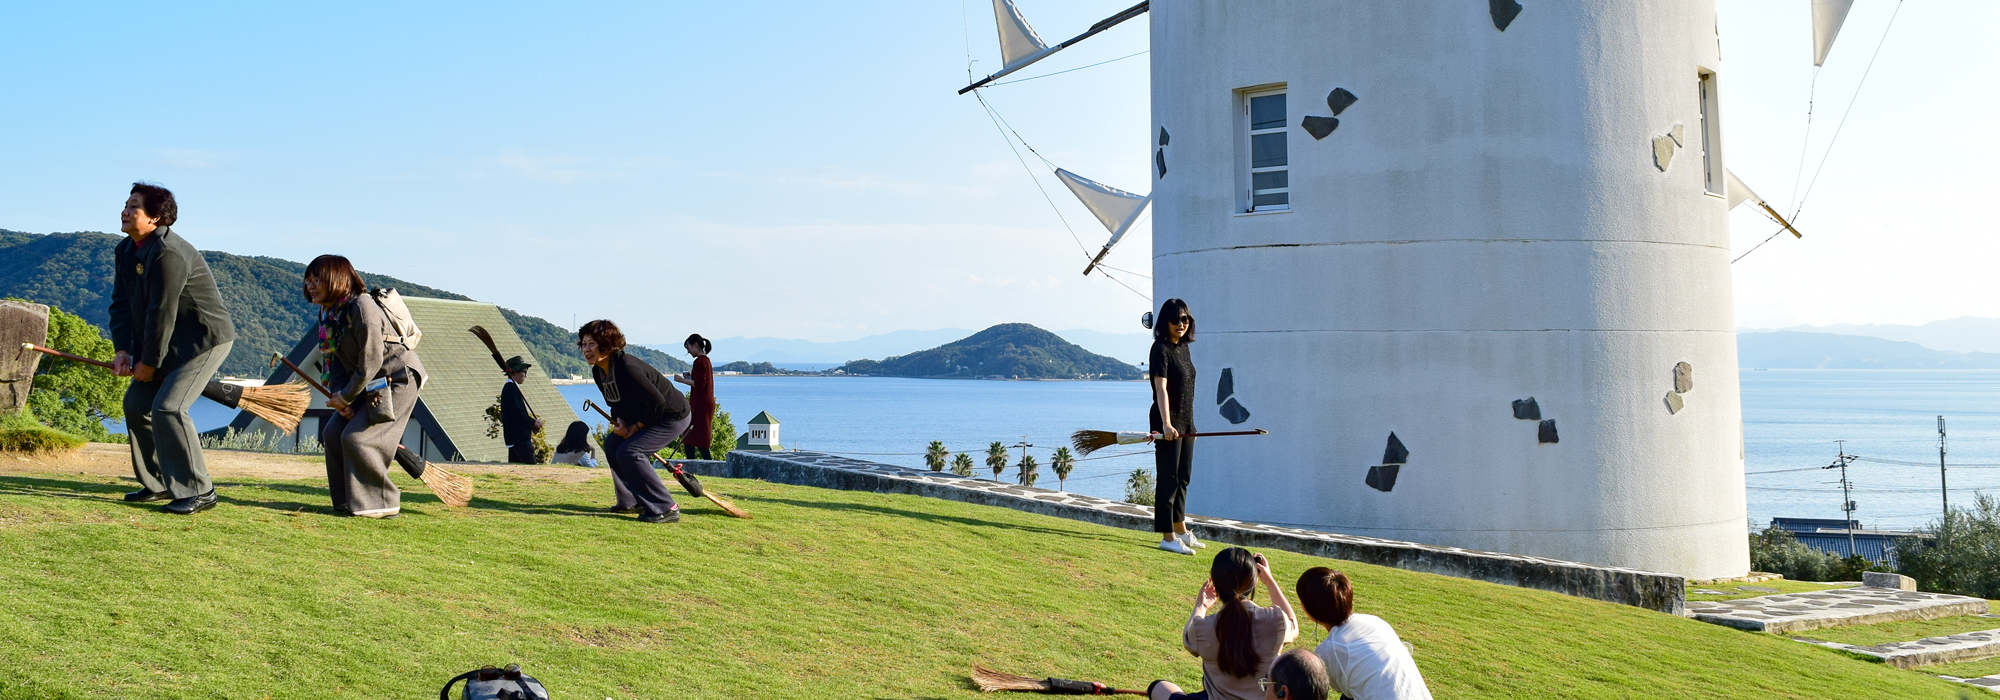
1187,538
1176,547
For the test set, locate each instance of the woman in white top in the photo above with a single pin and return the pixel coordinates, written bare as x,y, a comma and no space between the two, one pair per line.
576,447
1365,660
1237,644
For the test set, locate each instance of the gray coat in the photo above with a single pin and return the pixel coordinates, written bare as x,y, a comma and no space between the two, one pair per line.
165,307
360,355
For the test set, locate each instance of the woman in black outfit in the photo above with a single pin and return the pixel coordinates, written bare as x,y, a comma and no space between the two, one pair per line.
1172,373
650,415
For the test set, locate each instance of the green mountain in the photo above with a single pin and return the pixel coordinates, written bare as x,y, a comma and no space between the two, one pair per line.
1009,350
72,271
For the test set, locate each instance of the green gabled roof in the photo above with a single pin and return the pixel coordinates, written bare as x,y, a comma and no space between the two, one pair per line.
464,381
763,419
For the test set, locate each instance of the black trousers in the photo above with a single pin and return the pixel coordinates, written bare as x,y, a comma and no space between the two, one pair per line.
633,480
1173,463
523,453
703,451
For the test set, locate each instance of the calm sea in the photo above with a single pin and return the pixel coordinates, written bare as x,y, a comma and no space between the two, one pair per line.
1791,420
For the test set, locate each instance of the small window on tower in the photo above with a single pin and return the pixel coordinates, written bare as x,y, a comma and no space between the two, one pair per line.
1713,177
1270,181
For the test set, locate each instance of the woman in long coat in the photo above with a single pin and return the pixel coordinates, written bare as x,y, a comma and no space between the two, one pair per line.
700,381
357,349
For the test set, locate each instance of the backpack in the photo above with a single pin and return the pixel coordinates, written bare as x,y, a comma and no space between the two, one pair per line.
402,328
491,683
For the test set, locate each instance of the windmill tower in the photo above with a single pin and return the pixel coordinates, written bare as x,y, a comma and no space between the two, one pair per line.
1469,265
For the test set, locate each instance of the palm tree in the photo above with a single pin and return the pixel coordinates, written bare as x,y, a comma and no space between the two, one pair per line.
1063,463
961,464
935,456
1139,487
996,458
1029,470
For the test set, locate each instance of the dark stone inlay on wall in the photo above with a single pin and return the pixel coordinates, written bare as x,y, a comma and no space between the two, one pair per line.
1527,409
1227,387
1163,136
1683,378
1319,127
1160,161
1504,12
1339,100
1548,431
1395,453
1235,412
1383,477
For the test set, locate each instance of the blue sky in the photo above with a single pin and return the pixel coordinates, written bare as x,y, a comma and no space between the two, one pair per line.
805,170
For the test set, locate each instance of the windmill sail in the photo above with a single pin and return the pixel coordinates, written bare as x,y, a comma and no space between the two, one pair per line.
1740,193
1020,45
1113,207
1827,16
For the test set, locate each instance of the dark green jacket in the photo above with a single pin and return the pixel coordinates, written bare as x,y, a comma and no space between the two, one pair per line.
164,304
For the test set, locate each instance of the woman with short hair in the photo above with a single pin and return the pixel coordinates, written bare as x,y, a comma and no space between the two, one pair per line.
1171,371
649,413
1237,644
367,371
1365,660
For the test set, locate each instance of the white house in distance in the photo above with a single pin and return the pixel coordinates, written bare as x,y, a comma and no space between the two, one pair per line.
1469,264
761,435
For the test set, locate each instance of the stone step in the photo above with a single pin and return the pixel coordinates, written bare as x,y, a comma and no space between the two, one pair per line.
1988,682
1839,607
1968,646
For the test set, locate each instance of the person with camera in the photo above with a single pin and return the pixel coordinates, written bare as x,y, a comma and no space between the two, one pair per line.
1238,644
172,333
650,414
374,379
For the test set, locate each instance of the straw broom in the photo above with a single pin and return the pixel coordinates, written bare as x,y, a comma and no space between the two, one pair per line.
1088,441
990,681
452,489
688,481
281,405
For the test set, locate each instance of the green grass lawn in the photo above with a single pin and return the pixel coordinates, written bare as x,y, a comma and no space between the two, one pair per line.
1906,631
827,594
1733,591
1969,669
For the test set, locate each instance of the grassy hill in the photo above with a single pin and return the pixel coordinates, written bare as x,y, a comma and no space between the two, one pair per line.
73,271
826,594
1012,350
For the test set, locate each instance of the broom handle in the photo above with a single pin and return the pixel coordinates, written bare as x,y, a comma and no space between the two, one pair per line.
64,355
600,411
302,375
1259,431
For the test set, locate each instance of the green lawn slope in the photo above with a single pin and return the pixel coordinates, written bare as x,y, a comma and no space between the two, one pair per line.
826,594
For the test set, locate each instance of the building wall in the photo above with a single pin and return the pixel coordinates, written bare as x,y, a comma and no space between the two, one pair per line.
1486,224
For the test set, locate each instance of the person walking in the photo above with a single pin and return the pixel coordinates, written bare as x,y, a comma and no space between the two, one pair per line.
171,332
700,381
518,423
374,379
649,414
1172,373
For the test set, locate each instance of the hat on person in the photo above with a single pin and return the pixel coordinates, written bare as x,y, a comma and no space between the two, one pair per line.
516,364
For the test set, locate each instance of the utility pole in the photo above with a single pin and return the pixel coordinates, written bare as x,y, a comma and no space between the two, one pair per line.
1944,490
1024,445
1846,503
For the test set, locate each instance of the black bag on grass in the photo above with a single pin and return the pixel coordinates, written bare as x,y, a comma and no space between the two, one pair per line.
491,683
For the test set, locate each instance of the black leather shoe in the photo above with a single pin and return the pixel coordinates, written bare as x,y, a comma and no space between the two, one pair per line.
623,509
672,516
190,506
146,496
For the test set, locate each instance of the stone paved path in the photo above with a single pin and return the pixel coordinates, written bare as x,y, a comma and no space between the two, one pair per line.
1969,646
1840,607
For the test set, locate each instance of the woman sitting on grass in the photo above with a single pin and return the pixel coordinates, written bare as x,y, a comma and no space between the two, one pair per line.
1365,660
1237,644
575,447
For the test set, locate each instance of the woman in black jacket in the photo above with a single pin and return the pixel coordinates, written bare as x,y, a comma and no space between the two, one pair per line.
650,415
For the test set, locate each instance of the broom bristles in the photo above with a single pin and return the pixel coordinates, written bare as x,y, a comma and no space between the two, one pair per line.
990,680
727,506
454,490
281,405
1088,441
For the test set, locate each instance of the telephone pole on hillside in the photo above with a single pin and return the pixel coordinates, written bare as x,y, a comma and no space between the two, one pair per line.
1846,503
1944,490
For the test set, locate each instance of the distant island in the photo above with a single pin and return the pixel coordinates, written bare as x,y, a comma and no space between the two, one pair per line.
1799,350
72,271
1005,351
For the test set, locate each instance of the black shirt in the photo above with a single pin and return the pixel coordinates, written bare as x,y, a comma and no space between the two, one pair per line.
517,421
1171,361
638,393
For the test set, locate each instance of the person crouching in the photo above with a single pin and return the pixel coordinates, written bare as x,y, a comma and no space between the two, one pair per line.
1238,644
650,414
374,382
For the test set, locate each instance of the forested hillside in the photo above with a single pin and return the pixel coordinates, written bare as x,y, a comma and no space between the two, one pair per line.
72,271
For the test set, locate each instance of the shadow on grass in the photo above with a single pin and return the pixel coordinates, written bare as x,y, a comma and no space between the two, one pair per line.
58,488
931,517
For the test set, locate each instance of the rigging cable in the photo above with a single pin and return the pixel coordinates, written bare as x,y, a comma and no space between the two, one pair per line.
1060,72
1850,110
1812,91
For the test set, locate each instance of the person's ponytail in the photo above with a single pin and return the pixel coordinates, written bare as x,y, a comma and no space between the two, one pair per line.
1233,572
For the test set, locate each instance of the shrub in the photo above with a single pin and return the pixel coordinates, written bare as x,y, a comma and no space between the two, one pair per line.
20,432
1775,550
1030,470
1139,487
961,464
73,397
1961,555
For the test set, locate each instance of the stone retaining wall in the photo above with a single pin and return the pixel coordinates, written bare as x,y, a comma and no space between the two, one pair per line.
1653,591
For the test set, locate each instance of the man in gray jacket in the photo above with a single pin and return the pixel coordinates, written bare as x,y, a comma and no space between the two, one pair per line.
172,333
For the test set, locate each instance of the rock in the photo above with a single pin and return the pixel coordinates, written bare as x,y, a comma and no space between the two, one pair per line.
1663,152
20,322
1884,579
1395,453
1547,432
1674,403
1339,100
1527,409
1319,127
1504,12
1683,378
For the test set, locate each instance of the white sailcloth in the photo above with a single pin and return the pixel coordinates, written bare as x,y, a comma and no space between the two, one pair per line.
1738,192
1019,44
1827,16
1113,207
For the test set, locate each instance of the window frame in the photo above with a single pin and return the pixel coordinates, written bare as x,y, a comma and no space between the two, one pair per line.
1714,177
1246,167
